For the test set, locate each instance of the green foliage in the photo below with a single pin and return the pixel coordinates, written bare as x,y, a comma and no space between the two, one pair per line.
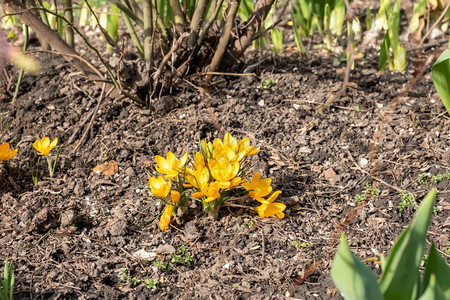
406,200
7,287
300,245
392,41
441,78
277,40
401,277
352,277
419,9
267,84
367,194
133,281
428,179
180,257
310,15
151,284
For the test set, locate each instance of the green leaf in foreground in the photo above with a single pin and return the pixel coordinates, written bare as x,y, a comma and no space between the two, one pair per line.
433,291
437,266
353,278
441,78
400,277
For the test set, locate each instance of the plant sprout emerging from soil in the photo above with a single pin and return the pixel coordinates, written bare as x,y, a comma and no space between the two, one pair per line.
7,284
367,194
123,274
181,256
43,147
406,200
216,175
151,284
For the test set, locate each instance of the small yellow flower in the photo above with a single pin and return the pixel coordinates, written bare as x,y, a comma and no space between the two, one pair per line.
258,188
159,187
241,148
5,153
175,196
211,191
166,217
44,146
223,171
170,166
268,208
198,178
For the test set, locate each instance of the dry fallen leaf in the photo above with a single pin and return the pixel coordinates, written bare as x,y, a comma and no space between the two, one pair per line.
110,168
329,173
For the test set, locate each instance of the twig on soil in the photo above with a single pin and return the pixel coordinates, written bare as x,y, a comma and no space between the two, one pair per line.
442,252
444,11
100,99
16,187
81,125
166,59
371,176
76,57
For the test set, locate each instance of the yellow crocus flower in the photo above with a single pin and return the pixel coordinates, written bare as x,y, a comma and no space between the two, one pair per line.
159,187
198,178
223,171
166,217
43,146
268,208
211,191
258,188
170,166
5,153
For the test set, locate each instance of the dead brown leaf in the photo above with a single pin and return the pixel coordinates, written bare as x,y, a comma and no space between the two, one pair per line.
110,168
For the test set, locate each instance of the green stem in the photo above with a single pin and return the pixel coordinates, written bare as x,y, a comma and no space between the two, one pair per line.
197,18
133,34
50,169
213,210
68,13
148,30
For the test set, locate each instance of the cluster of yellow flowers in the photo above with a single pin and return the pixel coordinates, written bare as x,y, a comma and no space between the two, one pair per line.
217,169
43,147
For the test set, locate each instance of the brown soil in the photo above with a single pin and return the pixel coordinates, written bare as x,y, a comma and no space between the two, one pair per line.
70,235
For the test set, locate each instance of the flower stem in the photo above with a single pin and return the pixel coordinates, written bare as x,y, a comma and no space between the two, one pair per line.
50,169
213,211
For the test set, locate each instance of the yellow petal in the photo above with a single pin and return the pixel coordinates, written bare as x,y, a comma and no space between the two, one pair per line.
197,195
175,196
166,217
5,153
273,196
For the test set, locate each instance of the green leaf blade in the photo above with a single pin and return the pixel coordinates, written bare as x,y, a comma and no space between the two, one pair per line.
352,277
438,266
400,276
441,78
